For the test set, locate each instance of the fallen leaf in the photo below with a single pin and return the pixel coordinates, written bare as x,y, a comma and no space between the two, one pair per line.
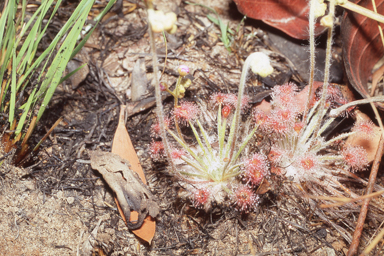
289,16
362,46
131,193
376,77
122,146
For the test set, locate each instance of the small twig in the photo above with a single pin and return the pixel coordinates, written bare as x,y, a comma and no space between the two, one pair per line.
374,242
361,10
364,208
18,230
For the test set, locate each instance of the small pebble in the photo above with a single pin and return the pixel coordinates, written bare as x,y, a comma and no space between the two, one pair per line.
70,200
60,194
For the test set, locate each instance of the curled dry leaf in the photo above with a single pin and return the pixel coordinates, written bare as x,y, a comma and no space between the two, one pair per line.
130,191
289,16
362,46
122,146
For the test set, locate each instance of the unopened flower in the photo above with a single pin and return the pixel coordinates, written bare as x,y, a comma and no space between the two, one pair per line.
186,82
163,86
160,21
261,65
319,7
181,91
172,30
183,70
327,21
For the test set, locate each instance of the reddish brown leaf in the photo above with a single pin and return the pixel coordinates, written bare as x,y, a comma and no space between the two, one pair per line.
289,16
362,46
122,146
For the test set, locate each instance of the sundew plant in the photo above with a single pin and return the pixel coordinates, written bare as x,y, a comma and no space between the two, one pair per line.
214,168
226,167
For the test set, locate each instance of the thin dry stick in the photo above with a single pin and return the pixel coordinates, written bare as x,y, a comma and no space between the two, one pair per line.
374,243
364,208
363,11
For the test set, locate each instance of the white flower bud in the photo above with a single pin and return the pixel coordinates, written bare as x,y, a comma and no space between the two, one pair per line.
320,8
327,21
169,20
160,21
260,64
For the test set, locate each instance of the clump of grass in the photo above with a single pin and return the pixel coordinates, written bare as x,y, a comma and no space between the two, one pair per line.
28,77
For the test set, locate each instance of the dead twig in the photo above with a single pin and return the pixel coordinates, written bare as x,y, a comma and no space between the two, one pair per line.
364,208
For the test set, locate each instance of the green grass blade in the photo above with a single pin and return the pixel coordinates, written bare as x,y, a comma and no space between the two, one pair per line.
25,112
3,22
12,101
35,35
58,66
98,18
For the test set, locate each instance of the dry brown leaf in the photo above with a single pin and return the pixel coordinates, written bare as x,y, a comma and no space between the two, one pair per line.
122,146
362,45
290,16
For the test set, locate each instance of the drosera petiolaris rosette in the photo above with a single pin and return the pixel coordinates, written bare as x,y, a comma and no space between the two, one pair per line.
299,150
212,168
